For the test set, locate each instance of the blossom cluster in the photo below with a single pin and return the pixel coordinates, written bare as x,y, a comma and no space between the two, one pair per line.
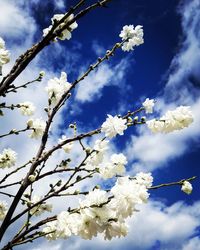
66,33
37,126
131,36
4,54
57,87
115,166
27,108
38,209
8,158
173,120
107,168
102,213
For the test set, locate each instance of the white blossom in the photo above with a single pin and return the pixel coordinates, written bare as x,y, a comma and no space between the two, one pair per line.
148,104
156,126
116,166
99,213
66,33
107,170
37,126
88,226
3,207
95,197
113,126
173,120
131,36
4,54
4,57
50,230
8,158
40,208
115,229
187,187
94,160
127,193
145,179
27,108
57,87
118,159
67,147
63,225
101,145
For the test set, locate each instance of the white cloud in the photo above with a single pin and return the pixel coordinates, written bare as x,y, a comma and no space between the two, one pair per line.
14,21
91,88
193,244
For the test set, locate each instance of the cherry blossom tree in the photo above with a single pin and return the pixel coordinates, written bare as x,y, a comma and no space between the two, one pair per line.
98,210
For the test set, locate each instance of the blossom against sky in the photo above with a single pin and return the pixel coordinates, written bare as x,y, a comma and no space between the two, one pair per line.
164,68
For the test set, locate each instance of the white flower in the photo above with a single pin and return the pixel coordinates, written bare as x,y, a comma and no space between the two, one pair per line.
107,170
118,159
3,207
39,209
127,193
145,179
38,127
63,229
4,56
187,187
66,33
8,158
50,230
95,197
156,126
65,225
101,145
127,32
115,229
57,87
94,160
148,104
88,226
67,147
173,120
116,166
27,108
132,37
113,126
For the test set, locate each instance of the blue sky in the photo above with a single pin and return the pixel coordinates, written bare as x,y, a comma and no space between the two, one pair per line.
166,68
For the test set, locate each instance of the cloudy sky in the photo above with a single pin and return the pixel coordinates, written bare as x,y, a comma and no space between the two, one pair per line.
166,68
